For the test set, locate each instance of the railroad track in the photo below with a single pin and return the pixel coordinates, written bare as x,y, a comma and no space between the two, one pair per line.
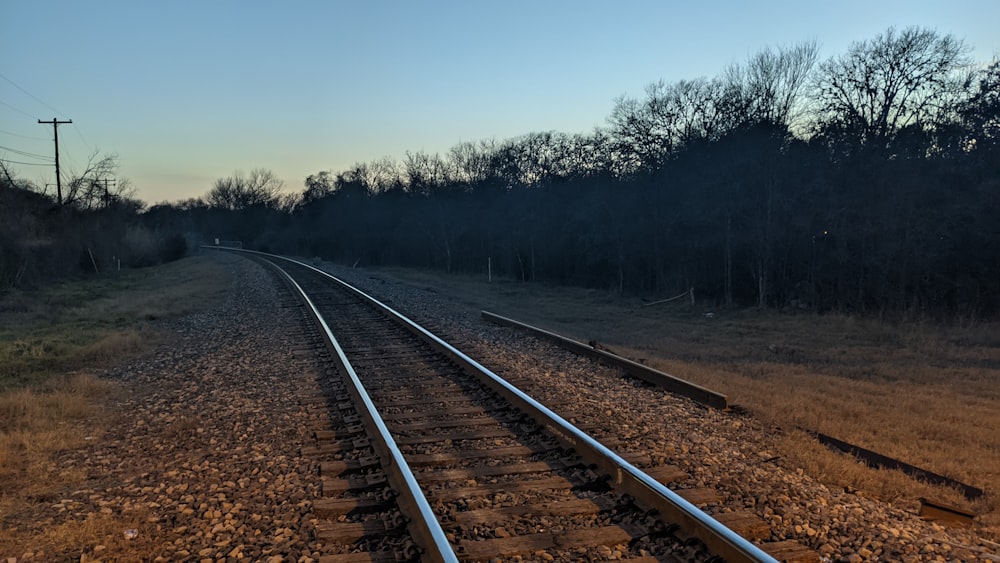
434,458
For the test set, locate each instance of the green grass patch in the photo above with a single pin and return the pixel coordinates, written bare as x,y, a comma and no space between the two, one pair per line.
86,323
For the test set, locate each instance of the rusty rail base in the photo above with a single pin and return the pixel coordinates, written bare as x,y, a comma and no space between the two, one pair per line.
669,382
939,512
879,461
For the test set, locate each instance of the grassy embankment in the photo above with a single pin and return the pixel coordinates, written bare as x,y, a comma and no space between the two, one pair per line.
927,395
52,342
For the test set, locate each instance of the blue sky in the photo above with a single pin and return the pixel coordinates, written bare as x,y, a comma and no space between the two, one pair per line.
189,91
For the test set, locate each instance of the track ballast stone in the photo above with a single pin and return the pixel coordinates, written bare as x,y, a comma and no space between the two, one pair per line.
733,454
206,448
204,453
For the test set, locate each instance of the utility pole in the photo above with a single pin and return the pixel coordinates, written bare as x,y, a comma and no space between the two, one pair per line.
107,195
55,129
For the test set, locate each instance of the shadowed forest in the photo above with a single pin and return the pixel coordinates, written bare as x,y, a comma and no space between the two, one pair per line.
867,183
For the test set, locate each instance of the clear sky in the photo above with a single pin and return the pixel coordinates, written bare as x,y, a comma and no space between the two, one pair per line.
188,91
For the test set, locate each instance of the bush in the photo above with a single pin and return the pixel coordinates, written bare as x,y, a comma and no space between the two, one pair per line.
173,247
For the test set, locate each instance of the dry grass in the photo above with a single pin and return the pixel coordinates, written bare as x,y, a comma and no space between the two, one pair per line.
99,321
927,395
37,422
101,537
47,406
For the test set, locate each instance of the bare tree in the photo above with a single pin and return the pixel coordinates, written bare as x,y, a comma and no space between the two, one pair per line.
981,111
894,80
318,186
424,172
644,128
99,186
259,188
768,86
469,162
699,105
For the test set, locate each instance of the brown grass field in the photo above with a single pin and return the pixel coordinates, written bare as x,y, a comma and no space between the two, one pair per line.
52,341
921,393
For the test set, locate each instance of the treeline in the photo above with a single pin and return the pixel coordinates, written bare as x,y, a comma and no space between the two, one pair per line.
90,227
868,183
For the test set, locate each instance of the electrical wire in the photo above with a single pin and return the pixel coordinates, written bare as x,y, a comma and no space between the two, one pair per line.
67,159
11,133
21,111
34,97
28,154
26,163
78,130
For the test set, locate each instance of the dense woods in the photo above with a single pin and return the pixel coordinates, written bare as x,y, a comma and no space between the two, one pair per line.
98,228
866,183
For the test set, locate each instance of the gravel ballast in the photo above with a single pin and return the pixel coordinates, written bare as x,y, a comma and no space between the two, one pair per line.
203,456
207,445
731,453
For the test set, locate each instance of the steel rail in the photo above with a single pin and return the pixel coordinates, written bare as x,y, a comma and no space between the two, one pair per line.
720,540
413,504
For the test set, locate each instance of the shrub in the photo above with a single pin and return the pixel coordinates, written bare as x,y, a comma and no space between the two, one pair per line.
173,247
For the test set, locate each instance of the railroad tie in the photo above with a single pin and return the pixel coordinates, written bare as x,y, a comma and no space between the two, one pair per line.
479,550
331,508
350,532
366,557
746,524
790,551
569,507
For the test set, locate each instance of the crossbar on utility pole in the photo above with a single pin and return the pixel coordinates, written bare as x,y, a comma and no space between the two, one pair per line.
55,130
107,195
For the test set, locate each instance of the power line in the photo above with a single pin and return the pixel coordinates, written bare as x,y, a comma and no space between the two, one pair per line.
34,97
26,163
79,131
22,136
21,111
28,154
